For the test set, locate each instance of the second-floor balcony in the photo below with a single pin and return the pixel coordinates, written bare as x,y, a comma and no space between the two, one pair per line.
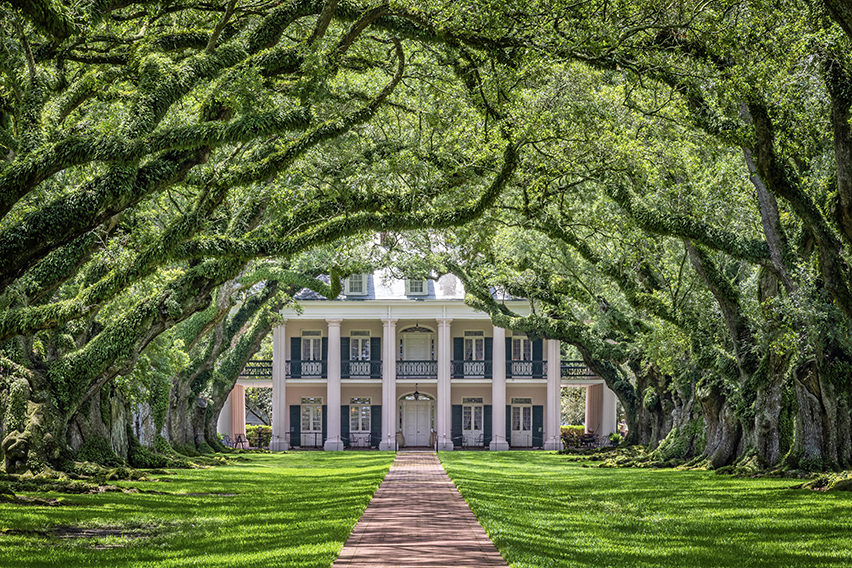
526,369
416,369
472,369
361,369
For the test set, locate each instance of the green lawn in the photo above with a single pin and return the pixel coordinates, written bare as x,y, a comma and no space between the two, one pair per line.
293,510
543,509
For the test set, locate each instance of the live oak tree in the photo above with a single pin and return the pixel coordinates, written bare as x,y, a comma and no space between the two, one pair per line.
153,151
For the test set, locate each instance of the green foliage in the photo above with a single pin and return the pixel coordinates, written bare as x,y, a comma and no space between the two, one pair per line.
682,443
582,514
98,450
294,533
650,399
106,405
571,435
141,457
16,407
252,433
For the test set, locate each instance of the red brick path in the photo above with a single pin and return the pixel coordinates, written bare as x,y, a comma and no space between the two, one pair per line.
418,518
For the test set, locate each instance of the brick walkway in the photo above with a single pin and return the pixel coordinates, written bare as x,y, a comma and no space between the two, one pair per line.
418,518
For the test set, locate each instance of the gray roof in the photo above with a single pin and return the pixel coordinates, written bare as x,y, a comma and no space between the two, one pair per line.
382,287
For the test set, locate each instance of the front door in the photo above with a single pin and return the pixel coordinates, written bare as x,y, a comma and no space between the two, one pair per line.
416,419
521,426
417,347
472,424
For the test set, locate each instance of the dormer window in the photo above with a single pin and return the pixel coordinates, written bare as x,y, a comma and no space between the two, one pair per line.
416,287
356,285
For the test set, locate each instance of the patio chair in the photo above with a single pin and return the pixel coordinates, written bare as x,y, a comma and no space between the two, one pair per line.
241,442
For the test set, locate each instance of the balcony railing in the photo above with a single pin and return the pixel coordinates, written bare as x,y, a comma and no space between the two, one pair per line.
361,369
298,369
526,369
576,369
257,369
472,369
416,369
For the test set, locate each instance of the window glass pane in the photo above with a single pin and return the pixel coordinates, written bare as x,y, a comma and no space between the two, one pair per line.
415,286
516,349
468,349
527,350
365,349
353,417
477,418
306,349
317,418
466,418
527,419
356,284
306,418
480,349
365,418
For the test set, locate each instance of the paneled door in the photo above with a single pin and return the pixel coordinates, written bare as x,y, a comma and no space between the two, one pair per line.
416,422
417,347
521,426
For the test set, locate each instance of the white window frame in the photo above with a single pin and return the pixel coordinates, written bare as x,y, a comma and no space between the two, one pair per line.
522,341
471,338
348,290
361,338
314,407
357,407
312,337
409,291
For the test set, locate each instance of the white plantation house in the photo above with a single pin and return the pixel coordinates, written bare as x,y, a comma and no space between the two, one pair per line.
393,363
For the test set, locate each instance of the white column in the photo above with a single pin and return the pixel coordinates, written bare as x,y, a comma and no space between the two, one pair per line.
594,406
498,392
608,425
552,429
443,412
238,411
223,425
279,390
333,443
388,441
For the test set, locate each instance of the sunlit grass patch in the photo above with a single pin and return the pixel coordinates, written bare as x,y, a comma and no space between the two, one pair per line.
543,509
291,510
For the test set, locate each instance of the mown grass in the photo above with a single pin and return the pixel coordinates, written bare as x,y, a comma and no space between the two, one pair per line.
543,510
282,510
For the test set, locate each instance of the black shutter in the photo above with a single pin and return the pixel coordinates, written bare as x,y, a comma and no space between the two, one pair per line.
538,356
458,348
489,356
509,424
457,370
324,422
324,361
457,425
375,424
344,424
295,357
486,438
295,424
538,426
344,358
375,355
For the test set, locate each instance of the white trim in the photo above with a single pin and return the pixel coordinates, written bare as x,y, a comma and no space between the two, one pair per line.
347,285
423,292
